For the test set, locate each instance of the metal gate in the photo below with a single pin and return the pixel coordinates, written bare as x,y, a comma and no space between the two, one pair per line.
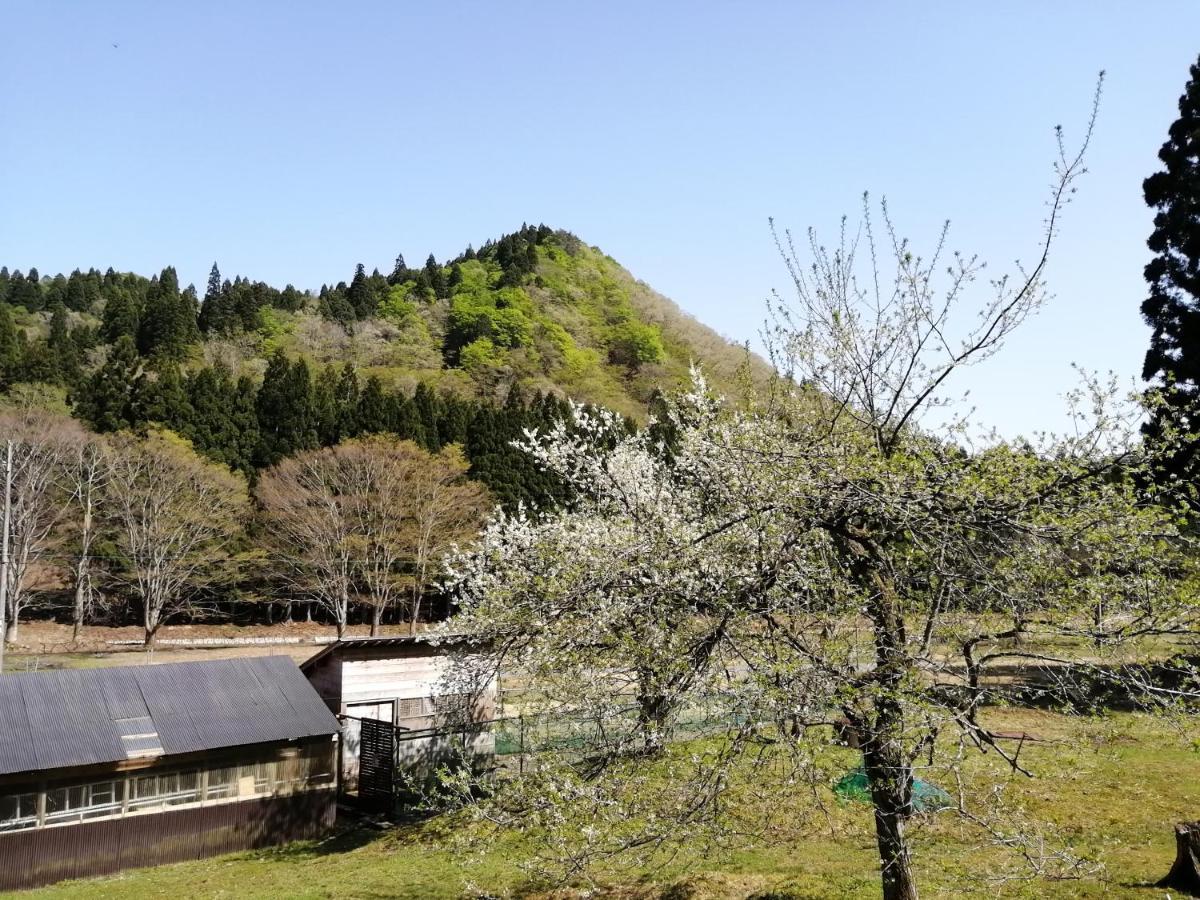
376,761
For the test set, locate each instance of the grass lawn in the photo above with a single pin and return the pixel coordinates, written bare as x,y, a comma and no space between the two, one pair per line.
1113,787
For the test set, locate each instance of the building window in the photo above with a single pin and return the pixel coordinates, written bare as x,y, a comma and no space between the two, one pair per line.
83,801
221,783
18,811
296,770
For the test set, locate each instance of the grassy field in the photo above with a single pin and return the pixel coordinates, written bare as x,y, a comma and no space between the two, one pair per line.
1113,787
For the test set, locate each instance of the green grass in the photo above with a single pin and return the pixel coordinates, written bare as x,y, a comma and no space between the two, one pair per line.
1113,786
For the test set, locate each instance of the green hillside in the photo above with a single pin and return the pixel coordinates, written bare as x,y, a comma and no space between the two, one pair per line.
552,314
469,351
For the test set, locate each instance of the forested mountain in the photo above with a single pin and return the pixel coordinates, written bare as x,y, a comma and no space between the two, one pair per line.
471,351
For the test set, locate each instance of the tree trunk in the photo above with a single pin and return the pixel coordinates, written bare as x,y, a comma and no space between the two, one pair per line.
376,619
151,622
416,614
14,628
891,795
1185,873
80,602
882,733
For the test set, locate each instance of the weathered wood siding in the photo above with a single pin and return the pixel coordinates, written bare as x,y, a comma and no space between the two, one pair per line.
393,676
45,855
326,679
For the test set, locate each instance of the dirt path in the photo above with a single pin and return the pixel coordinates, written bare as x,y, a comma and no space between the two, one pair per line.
49,645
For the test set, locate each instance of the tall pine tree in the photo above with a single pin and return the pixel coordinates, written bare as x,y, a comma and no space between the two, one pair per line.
1173,307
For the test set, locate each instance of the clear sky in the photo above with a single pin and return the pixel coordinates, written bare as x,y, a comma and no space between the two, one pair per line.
291,140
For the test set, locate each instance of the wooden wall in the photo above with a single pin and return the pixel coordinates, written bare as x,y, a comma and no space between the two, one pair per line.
391,676
45,855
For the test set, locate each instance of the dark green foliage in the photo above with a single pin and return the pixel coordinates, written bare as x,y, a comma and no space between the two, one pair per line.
24,291
63,351
121,315
400,272
287,423
509,472
361,295
1173,307
11,346
373,409
219,417
168,323
117,396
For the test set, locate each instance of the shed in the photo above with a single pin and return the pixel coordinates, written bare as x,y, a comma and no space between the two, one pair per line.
114,768
403,681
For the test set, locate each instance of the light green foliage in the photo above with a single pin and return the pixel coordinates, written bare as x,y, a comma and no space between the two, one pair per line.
480,355
273,326
1127,778
633,344
395,307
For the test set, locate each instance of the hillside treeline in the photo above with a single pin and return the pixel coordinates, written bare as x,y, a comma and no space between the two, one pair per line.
138,527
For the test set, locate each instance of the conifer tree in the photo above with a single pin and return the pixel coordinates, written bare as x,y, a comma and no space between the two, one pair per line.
10,346
1173,307
116,396
325,407
285,410
399,271
64,354
213,311
346,398
120,315
373,410
360,295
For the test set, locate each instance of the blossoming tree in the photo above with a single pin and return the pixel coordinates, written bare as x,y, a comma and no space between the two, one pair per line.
819,554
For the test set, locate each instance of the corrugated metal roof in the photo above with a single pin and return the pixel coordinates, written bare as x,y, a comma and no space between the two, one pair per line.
435,642
53,719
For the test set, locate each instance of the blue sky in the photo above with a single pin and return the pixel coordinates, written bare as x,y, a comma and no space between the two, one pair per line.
289,141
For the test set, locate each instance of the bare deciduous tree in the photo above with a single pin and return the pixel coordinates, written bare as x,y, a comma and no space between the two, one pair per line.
311,529
362,519
174,516
85,476
41,445
445,509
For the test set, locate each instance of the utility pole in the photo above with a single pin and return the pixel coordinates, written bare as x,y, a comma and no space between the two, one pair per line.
7,526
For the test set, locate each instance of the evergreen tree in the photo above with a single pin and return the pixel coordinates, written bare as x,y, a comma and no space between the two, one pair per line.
285,410
399,271
222,422
64,353
406,421
169,402
373,411
168,322
214,312
115,397
347,399
360,295
24,291
1173,307
325,407
77,293
120,315
10,346
429,410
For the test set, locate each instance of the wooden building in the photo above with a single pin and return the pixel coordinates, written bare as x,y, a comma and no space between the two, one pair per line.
108,769
403,682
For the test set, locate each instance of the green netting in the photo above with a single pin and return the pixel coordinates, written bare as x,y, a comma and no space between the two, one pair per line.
926,797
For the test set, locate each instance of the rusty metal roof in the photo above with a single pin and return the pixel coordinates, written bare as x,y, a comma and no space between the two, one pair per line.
60,718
